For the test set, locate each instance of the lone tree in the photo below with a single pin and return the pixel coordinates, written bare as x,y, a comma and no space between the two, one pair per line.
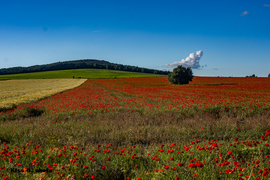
269,75
253,75
180,75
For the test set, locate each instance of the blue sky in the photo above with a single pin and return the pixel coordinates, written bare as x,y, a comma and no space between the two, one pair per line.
234,35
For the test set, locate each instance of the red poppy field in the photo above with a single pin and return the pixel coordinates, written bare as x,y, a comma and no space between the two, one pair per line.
142,128
242,96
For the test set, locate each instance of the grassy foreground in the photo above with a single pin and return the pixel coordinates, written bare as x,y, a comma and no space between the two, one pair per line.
78,73
131,145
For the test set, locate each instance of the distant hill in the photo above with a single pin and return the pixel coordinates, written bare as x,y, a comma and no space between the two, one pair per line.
79,64
78,73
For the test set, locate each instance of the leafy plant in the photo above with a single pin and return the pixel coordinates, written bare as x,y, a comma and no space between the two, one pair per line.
180,75
31,111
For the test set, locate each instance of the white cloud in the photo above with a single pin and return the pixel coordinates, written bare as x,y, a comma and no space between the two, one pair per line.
244,13
193,61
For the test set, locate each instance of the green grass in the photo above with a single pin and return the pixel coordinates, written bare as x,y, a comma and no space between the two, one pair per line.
134,143
78,73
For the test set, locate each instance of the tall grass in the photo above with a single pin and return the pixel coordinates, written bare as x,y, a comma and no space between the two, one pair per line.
133,133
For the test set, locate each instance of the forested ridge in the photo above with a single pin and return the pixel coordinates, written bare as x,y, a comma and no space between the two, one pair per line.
79,64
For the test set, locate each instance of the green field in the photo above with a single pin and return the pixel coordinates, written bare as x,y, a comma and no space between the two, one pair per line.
78,73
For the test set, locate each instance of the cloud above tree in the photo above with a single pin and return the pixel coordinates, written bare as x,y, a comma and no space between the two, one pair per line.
193,61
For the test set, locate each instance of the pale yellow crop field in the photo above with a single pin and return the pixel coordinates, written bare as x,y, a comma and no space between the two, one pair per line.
28,90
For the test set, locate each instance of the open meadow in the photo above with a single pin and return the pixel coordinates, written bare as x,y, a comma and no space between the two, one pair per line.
141,128
78,73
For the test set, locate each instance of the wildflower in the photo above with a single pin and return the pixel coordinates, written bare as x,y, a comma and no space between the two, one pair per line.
25,169
198,164
102,167
11,160
166,167
236,163
86,176
228,171
265,173
192,165
180,164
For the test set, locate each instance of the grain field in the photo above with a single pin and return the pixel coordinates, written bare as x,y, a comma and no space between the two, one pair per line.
28,90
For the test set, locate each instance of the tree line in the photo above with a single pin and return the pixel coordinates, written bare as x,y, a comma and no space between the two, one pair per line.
80,64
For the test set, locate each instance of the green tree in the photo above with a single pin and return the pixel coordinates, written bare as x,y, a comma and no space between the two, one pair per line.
269,75
253,75
180,75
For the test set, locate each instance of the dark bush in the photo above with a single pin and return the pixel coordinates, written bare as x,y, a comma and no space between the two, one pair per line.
34,112
180,75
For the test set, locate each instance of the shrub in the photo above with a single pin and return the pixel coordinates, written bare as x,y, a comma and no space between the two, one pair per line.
31,112
180,75
253,75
